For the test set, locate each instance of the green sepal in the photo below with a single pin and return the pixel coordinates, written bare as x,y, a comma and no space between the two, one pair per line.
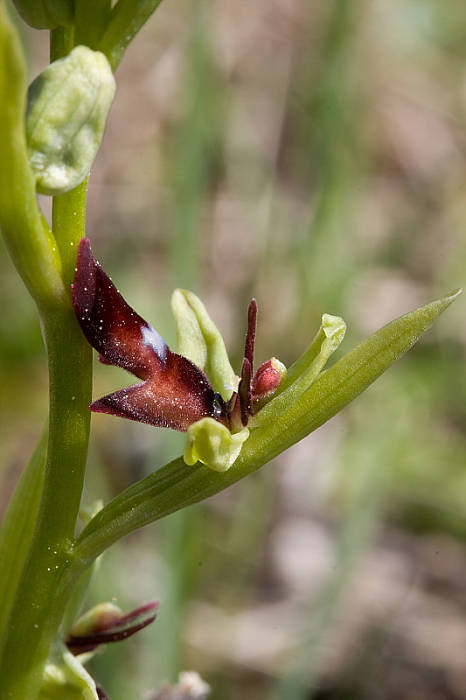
68,104
65,678
305,370
46,14
199,339
211,443
18,526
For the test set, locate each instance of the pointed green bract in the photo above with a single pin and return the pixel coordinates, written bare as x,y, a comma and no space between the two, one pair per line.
213,444
305,370
199,339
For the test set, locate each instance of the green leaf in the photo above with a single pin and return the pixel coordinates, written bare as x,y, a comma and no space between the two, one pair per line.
174,486
350,376
18,526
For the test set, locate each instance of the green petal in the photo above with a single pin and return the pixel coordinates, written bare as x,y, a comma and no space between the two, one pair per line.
213,444
304,371
199,339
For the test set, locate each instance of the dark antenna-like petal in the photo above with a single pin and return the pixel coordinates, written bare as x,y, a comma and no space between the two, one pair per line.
251,334
244,387
244,392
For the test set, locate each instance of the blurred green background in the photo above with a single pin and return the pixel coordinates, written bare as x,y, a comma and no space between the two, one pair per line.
312,154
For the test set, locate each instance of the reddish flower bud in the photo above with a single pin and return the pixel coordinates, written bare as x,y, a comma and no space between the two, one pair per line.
267,378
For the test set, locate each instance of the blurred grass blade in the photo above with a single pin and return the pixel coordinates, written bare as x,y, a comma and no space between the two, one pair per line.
174,486
18,526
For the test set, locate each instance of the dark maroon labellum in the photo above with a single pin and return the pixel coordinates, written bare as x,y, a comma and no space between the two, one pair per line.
174,392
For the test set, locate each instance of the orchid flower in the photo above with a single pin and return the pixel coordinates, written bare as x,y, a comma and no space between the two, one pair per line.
195,390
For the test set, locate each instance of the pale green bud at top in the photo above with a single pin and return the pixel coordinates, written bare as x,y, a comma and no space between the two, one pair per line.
46,14
199,339
68,105
211,443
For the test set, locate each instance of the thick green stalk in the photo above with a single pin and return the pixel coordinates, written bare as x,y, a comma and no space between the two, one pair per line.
69,220
44,588
45,584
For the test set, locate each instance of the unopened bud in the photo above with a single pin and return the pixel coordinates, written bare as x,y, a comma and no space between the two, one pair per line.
98,618
267,378
68,105
46,14
106,623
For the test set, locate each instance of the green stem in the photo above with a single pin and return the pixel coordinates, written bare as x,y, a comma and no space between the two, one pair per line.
44,588
47,578
68,224
61,42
